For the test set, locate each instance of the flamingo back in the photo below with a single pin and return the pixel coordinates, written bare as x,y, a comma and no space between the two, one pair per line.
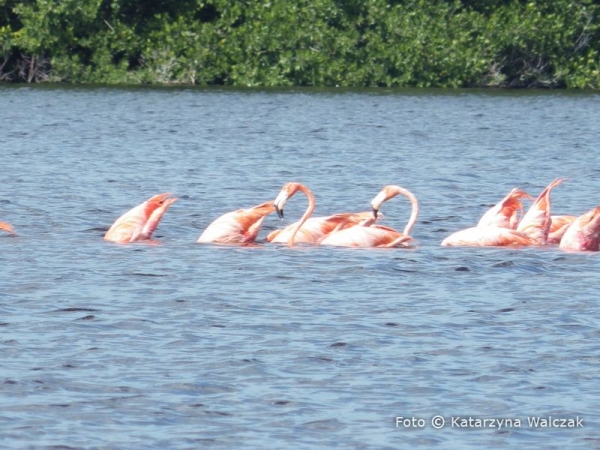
584,233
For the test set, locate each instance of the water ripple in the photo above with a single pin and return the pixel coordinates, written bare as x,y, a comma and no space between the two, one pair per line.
171,344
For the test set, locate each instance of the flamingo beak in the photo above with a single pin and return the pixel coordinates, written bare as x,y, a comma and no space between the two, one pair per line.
159,198
377,202
279,203
169,201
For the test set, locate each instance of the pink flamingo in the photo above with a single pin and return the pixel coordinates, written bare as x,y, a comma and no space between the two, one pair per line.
532,230
584,233
308,229
139,223
6,227
536,223
491,236
496,226
237,227
505,214
366,234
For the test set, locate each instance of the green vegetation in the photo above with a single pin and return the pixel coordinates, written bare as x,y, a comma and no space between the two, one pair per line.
413,43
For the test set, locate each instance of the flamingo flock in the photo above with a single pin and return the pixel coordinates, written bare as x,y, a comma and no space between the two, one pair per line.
505,224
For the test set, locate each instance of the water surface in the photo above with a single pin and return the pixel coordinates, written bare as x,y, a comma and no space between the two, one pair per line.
181,345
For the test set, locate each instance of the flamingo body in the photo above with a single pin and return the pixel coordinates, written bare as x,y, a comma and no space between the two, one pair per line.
486,237
495,228
584,233
306,230
366,234
237,227
140,222
314,229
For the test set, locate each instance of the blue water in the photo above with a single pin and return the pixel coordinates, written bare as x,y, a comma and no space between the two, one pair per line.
181,345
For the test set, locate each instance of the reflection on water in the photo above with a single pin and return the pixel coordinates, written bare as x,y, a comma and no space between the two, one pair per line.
187,345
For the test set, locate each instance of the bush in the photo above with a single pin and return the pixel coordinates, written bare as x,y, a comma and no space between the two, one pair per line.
418,43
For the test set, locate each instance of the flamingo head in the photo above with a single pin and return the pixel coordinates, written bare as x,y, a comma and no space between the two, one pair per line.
384,195
287,191
153,203
279,203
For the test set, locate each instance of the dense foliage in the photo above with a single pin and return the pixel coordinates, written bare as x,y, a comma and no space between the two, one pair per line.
421,43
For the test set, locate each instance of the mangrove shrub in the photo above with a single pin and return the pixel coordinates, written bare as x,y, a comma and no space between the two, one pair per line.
413,43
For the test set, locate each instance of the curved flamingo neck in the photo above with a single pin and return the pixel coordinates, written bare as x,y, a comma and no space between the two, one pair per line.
414,212
307,213
396,190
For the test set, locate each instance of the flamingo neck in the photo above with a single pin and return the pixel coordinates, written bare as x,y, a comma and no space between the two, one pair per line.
415,208
306,215
367,222
414,213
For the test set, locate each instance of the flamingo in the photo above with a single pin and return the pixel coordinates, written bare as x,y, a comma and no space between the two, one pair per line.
308,229
237,227
505,214
491,236
496,227
558,226
366,234
532,230
6,227
139,223
584,233
536,223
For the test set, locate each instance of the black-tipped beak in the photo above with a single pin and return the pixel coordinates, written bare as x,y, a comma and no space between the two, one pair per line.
279,212
375,212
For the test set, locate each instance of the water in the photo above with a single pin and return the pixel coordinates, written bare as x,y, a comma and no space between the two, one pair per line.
181,345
